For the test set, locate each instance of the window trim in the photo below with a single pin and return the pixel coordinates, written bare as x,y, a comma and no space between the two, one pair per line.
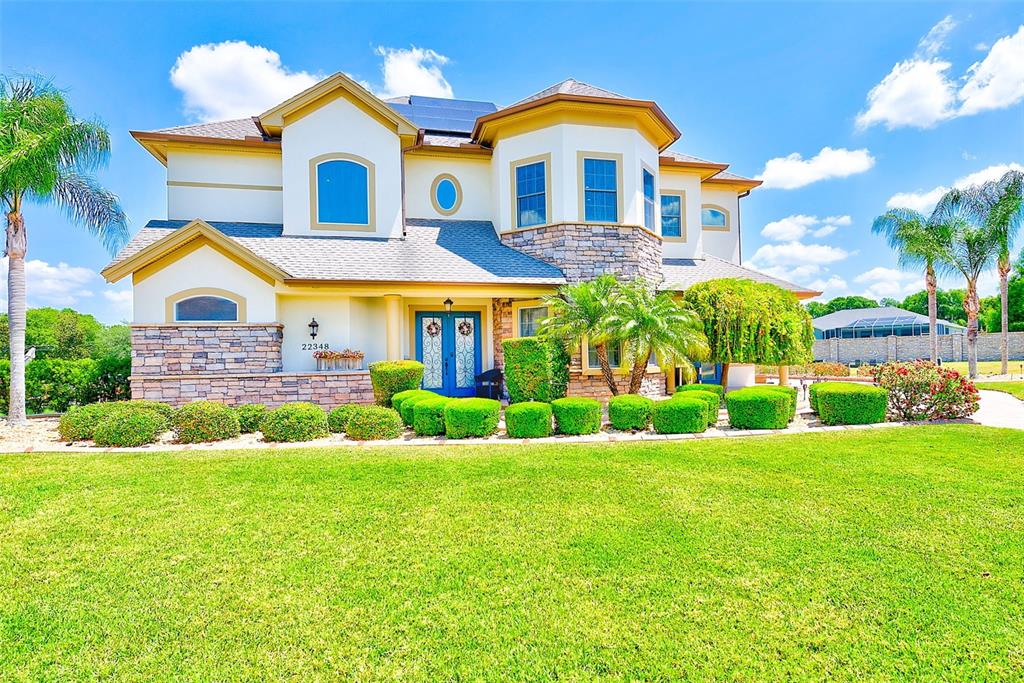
580,184
716,228
514,209
682,215
518,306
171,302
458,194
591,370
655,200
371,194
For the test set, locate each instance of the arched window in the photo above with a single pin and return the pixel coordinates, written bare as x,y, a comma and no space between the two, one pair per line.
206,308
714,217
446,194
342,192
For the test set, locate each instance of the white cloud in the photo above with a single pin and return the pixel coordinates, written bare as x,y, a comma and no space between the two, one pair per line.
234,79
416,71
830,287
120,303
48,285
918,92
793,171
925,200
795,227
796,254
881,274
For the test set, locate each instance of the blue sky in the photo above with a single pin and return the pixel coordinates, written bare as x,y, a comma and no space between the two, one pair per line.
841,107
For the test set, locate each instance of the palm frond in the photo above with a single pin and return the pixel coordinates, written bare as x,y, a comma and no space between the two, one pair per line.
97,209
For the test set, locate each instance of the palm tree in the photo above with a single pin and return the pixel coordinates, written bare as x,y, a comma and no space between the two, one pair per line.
579,311
45,156
650,324
969,250
917,242
999,205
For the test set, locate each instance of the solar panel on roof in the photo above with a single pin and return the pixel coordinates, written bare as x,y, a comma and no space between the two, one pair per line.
442,115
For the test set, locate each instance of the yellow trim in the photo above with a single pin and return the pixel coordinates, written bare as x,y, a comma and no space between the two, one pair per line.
331,88
512,166
590,371
517,306
371,194
715,228
620,203
468,151
458,194
189,248
412,290
223,186
176,239
485,353
174,299
159,144
682,214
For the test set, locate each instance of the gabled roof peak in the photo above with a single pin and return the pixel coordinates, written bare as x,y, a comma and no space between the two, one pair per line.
570,86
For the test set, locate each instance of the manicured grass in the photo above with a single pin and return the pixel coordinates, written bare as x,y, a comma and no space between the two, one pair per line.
1014,388
985,367
886,554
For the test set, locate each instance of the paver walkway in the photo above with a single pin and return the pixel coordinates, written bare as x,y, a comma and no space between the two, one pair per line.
999,409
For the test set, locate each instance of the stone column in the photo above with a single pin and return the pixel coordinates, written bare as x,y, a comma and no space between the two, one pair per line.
393,326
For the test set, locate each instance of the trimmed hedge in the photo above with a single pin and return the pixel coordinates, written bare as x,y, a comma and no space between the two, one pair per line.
337,419
529,420
428,416
250,416
370,423
535,369
843,403
576,415
201,421
630,412
758,408
80,422
409,404
683,415
711,401
396,400
392,376
790,392
129,427
812,392
465,417
297,421
716,389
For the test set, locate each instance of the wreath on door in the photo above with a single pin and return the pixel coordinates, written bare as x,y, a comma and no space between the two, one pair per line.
465,328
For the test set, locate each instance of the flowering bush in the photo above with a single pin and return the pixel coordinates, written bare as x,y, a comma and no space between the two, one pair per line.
924,391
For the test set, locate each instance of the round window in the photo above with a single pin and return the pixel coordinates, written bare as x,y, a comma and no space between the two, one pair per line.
447,195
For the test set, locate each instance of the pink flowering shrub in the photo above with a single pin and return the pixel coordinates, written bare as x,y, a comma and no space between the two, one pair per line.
924,391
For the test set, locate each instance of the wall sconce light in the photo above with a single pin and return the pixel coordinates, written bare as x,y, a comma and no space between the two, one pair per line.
448,305
313,327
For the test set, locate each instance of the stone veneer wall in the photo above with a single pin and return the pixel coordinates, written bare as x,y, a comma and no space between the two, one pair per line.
501,315
952,347
584,251
327,389
190,349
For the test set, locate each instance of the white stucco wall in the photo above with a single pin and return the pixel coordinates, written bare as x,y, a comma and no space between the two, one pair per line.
723,244
474,178
689,185
203,268
224,186
340,126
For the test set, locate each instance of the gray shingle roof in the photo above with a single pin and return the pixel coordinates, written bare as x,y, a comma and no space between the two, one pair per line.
681,273
235,129
570,86
679,156
725,175
432,251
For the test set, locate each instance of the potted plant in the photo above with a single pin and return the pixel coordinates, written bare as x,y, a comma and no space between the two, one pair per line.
351,359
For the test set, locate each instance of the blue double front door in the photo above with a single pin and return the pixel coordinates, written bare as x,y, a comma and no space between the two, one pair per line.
448,345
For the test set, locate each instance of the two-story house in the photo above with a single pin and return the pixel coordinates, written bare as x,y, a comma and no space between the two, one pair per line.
410,228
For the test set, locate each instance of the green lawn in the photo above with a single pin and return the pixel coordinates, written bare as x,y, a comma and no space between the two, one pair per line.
884,554
986,367
1014,388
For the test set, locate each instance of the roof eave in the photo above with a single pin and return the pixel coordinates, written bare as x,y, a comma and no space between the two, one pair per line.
156,143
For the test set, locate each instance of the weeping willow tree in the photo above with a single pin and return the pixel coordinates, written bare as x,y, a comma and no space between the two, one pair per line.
751,322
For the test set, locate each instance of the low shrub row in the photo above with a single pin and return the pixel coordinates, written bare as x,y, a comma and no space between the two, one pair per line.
845,403
760,407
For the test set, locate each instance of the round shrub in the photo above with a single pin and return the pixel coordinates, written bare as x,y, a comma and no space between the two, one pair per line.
298,421
165,410
925,391
812,392
79,423
392,376
372,423
576,415
129,427
758,408
464,417
529,420
710,399
681,415
396,400
409,405
844,403
716,389
630,412
250,416
428,415
201,421
789,392
337,419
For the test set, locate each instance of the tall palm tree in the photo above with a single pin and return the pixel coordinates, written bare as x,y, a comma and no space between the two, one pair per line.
999,205
657,325
917,242
45,156
969,250
579,311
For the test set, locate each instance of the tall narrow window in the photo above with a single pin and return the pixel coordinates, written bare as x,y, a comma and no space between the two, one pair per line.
648,179
671,215
342,192
614,356
600,191
529,320
531,194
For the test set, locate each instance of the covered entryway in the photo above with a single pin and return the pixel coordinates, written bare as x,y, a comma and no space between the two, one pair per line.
448,345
